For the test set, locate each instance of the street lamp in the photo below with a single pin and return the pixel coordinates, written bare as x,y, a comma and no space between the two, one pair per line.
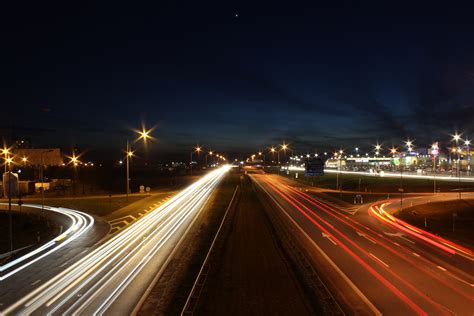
467,142
209,154
284,147
195,149
143,134
272,150
8,162
434,152
456,139
6,153
377,149
74,160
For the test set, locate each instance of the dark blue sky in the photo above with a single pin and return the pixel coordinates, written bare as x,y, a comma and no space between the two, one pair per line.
318,77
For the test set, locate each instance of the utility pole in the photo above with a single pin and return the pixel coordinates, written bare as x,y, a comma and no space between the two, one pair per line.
434,175
10,220
128,170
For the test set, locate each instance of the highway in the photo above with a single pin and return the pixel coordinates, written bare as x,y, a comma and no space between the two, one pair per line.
371,265
113,277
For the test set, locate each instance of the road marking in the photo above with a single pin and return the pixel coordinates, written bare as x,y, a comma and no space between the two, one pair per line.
416,254
366,237
122,219
397,234
85,250
441,268
375,257
328,237
402,237
36,282
63,264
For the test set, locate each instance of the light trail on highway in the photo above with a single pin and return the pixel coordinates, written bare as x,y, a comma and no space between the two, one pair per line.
383,268
388,174
378,211
113,277
80,223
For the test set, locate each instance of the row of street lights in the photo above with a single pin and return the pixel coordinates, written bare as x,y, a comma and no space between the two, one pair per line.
198,149
283,147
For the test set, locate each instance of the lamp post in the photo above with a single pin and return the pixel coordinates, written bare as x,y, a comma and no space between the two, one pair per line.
272,150
262,155
459,172
209,154
42,177
284,147
129,155
434,153
467,142
457,138
452,151
6,153
8,161
195,149
144,135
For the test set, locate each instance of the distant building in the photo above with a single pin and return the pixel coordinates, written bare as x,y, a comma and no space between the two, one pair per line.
38,156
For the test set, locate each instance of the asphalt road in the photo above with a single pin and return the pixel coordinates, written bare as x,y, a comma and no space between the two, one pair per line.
371,265
112,276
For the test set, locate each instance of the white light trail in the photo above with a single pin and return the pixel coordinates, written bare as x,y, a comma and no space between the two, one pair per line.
80,223
387,174
93,283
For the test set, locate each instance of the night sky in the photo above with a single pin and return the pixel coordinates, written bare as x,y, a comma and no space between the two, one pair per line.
236,77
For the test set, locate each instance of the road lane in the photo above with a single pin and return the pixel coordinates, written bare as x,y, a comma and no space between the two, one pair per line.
386,271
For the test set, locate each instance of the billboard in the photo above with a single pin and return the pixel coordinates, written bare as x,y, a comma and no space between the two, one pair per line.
314,167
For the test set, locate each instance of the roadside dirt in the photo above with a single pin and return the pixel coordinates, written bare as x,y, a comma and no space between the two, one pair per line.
249,274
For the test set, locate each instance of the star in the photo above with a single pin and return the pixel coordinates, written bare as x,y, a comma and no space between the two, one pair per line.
236,15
